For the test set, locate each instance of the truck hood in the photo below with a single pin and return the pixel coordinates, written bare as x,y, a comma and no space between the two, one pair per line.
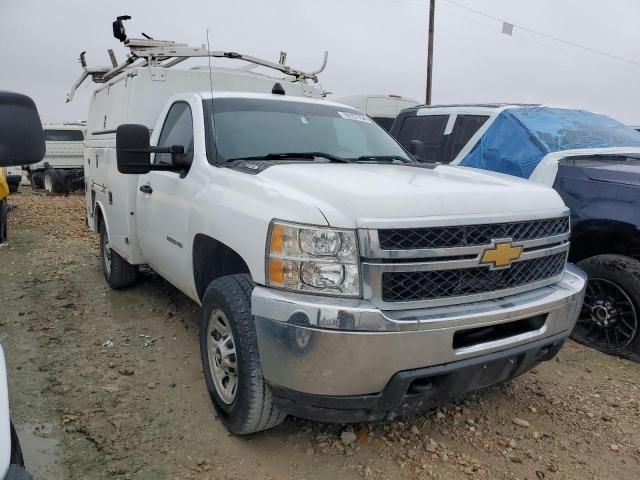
626,173
359,195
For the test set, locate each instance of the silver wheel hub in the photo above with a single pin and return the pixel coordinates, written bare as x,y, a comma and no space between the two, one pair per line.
107,254
223,362
603,312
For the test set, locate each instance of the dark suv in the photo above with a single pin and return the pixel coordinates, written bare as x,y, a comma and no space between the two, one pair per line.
591,160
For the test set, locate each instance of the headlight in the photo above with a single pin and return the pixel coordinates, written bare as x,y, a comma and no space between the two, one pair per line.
313,259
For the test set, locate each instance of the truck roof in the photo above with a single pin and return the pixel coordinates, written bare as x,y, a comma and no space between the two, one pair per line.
206,95
479,105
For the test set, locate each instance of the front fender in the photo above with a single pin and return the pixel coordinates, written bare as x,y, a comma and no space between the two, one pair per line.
237,210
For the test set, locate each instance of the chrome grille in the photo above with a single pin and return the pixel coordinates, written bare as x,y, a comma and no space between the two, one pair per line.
469,235
424,264
413,286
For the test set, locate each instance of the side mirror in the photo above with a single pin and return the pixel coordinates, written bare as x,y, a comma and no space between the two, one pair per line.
416,148
132,149
21,135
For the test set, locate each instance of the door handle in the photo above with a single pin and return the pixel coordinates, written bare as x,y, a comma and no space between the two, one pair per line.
146,189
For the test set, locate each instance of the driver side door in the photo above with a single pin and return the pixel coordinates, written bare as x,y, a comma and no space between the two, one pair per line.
163,203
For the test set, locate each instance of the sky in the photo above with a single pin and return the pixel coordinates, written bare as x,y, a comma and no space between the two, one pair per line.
375,46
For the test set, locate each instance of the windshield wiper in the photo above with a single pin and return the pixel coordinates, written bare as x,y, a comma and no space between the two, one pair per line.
376,158
295,155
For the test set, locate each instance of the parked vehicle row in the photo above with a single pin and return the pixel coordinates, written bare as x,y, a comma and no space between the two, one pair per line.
314,241
591,160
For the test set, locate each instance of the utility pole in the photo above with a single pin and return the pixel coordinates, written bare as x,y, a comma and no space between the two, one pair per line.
432,7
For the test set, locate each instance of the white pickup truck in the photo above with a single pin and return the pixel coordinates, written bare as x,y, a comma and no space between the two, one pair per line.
339,279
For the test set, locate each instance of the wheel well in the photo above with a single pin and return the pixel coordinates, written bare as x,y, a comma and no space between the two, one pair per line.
604,236
213,259
97,217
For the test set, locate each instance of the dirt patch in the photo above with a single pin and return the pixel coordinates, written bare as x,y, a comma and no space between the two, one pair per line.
112,381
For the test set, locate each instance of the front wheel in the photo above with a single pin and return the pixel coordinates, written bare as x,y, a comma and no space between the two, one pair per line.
117,271
609,320
230,358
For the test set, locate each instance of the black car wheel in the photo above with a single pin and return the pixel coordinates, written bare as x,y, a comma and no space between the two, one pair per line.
609,320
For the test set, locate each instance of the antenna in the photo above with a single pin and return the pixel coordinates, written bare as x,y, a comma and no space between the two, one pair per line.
210,72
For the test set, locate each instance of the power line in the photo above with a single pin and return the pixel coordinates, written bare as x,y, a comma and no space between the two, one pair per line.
525,29
544,35
495,31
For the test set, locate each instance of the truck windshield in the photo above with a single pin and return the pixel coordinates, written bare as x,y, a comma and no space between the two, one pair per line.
63,135
249,128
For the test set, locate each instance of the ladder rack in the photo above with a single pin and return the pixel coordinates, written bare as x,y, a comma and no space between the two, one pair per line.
166,54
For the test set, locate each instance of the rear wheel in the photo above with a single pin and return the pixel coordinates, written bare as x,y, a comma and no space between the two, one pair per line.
13,187
609,320
230,358
117,271
36,180
50,178
55,181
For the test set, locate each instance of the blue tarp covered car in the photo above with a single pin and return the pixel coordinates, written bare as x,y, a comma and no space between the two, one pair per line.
520,138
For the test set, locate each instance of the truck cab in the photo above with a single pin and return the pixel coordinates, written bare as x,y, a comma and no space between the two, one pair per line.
339,279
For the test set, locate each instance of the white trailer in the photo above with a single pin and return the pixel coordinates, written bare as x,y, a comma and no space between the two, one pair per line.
382,108
61,170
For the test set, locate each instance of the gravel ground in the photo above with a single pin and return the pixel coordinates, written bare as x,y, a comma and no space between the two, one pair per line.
108,384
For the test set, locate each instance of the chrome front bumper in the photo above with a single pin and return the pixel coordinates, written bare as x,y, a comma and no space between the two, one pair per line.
339,347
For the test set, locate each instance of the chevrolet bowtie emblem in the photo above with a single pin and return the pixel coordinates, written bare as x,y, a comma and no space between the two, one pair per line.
501,255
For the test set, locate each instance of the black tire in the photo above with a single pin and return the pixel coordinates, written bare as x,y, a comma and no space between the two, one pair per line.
55,181
4,220
252,408
36,180
64,182
117,271
16,451
50,180
609,320
13,187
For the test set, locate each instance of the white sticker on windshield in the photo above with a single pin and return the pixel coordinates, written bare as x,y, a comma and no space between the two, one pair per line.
358,117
